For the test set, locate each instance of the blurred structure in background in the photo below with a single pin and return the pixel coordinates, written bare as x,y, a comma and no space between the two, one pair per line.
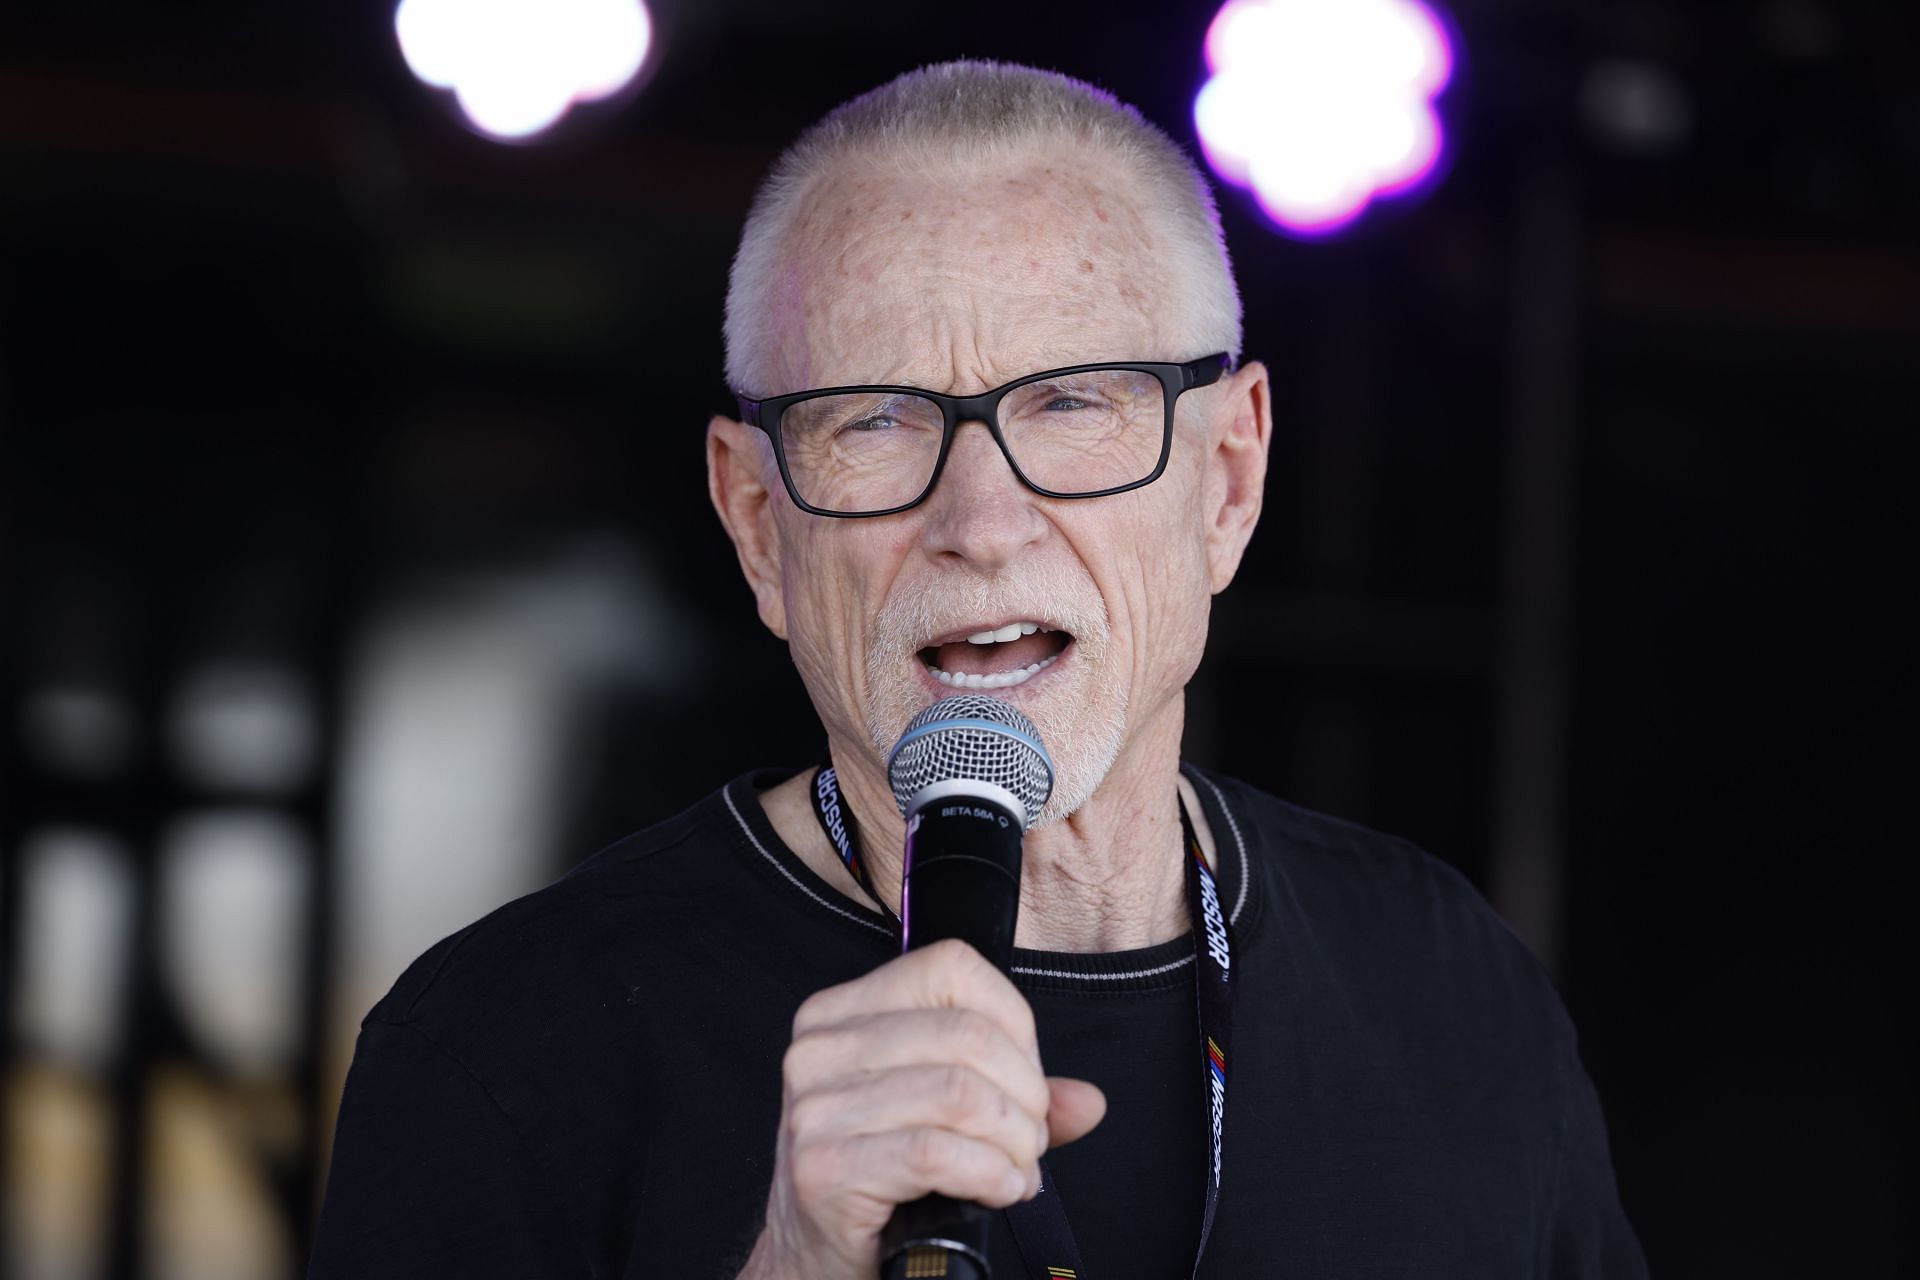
356,570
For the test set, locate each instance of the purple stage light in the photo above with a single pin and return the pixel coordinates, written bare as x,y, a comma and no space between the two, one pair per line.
517,66
1321,105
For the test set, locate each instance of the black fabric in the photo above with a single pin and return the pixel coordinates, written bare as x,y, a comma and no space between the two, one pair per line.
587,1082
1133,1189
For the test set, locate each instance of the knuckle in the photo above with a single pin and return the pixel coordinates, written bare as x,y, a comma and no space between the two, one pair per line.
972,968
928,1151
951,953
815,1168
1027,1140
974,962
1023,1137
796,1064
960,1089
807,1113
957,966
973,1036
1020,1014
811,1013
809,1057
1016,1128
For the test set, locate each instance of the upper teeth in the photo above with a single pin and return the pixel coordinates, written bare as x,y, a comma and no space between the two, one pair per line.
1012,631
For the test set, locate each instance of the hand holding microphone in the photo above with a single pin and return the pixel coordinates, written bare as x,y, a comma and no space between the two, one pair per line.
913,1098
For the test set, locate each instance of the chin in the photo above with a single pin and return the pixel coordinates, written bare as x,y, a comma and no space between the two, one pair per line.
1082,721
1081,763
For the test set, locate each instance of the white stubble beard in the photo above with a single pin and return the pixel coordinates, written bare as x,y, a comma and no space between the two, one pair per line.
1084,735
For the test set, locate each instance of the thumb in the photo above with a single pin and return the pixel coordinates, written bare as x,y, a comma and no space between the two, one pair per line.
1073,1110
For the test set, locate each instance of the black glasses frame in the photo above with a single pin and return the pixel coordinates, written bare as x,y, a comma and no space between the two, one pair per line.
985,409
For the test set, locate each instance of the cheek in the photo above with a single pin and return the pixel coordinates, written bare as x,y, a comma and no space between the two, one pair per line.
1168,595
834,574
817,610
1181,597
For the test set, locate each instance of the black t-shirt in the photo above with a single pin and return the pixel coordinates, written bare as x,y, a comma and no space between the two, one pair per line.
587,1082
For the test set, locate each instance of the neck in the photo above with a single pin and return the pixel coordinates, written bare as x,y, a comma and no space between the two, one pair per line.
1109,877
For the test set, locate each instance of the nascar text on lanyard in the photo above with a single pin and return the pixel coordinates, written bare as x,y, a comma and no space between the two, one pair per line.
1039,1226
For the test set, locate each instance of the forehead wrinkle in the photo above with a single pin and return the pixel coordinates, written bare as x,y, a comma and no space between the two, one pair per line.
958,344
871,261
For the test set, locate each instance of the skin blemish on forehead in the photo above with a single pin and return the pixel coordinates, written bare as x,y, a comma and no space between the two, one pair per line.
1101,214
1086,264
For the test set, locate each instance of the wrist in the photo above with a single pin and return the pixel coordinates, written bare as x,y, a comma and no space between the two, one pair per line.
769,1260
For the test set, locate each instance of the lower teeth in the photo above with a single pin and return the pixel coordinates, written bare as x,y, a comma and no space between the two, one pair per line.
998,680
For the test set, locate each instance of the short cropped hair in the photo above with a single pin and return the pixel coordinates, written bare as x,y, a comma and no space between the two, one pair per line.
971,112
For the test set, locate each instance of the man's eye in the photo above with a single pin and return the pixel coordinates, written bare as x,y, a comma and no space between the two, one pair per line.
1063,403
872,422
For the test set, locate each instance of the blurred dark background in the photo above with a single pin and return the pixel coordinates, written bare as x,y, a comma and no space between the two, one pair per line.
357,574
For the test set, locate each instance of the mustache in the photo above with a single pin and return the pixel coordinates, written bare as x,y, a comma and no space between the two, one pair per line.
1061,595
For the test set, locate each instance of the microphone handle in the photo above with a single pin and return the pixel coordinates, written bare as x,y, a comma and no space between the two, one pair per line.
961,880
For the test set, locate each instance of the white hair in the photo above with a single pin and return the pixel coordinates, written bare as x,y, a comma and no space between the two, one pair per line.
973,113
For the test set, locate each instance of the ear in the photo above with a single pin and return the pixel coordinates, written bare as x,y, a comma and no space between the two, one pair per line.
738,468
1238,438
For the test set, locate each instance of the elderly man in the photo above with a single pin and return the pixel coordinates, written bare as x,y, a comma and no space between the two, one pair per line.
993,436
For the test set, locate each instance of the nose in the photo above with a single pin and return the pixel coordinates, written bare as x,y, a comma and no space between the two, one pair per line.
980,513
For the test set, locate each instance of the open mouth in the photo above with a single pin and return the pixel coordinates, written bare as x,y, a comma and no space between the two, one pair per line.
996,658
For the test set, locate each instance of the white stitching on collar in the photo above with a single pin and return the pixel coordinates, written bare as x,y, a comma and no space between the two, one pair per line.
1168,967
726,793
1239,842
1240,899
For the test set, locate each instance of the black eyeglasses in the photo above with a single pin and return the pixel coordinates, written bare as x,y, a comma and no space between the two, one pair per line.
1085,431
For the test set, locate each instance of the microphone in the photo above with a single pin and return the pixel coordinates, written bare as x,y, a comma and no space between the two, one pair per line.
970,776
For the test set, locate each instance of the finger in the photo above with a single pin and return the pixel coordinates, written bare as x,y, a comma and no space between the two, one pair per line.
940,1097
1077,1106
875,1043
945,975
905,1164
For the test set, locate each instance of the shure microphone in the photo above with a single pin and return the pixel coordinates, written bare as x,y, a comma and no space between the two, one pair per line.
970,777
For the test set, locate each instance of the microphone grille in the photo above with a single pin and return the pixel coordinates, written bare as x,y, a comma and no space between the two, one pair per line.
971,737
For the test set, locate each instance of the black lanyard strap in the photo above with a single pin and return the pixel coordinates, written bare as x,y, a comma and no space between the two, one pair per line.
843,833
1040,1228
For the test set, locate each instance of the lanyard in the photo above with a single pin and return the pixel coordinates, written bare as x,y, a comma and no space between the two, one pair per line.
1040,1228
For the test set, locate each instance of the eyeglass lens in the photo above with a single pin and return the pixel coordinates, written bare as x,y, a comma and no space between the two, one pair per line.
1072,433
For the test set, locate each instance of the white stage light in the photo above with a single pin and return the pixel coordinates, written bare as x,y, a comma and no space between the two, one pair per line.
1321,105
517,66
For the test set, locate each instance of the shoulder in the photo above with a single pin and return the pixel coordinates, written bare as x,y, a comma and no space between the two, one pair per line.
1296,850
1374,912
574,943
